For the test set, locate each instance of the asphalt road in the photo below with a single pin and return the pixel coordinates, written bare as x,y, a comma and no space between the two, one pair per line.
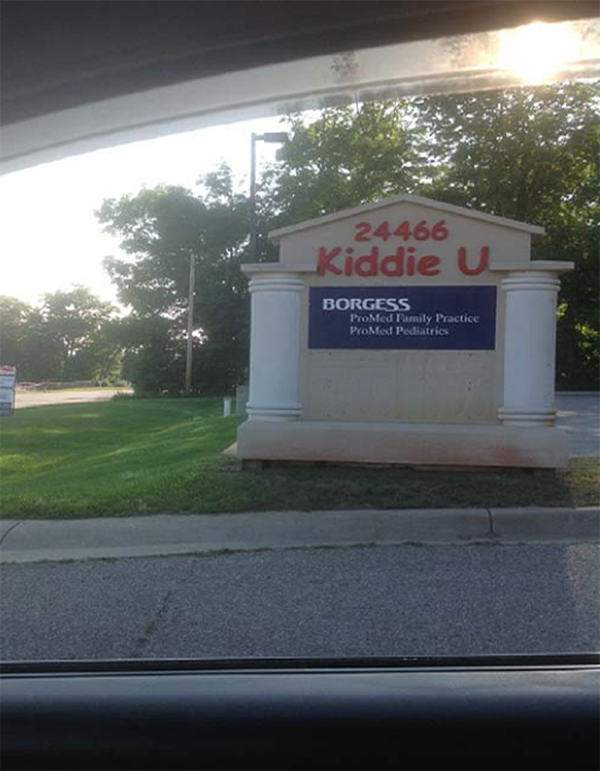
74,396
579,416
392,600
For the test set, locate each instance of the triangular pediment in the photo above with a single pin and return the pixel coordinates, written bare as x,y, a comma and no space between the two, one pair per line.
439,206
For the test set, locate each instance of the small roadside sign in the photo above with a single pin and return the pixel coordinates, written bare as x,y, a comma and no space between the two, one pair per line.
8,377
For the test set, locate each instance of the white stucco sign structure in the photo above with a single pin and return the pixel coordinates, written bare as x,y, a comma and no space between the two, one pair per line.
407,331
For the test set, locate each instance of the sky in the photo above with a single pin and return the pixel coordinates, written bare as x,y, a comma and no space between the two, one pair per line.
50,238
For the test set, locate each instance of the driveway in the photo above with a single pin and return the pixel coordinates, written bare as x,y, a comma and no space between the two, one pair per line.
579,417
73,396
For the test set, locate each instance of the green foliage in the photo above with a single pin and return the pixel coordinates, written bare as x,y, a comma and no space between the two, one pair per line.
530,154
68,337
517,153
162,230
76,324
153,359
15,317
348,156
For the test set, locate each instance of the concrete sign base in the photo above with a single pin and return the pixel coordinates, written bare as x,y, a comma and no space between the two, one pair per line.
403,444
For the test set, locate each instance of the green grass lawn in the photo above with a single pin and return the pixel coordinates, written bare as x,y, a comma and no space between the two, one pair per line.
130,456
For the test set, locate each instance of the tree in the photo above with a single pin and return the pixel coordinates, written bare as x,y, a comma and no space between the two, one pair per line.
346,157
14,318
154,359
518,153
531,154
76,327
161,229
68,337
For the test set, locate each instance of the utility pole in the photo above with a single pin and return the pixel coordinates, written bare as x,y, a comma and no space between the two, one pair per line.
190,326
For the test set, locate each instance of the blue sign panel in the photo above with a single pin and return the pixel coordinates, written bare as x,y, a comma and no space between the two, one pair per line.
442,318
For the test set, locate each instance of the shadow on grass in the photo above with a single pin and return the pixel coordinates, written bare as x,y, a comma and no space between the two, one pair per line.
347,488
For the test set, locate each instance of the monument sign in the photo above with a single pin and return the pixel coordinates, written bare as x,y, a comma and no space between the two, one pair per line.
407,331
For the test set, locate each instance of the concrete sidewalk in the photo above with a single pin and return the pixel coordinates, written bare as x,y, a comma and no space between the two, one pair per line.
168,534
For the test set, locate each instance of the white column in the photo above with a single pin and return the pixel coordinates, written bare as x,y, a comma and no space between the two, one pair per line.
529,348
275,346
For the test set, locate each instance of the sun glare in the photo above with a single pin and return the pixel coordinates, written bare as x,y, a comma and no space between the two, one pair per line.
538,51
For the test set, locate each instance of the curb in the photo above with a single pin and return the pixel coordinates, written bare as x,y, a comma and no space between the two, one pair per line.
546,524
30,541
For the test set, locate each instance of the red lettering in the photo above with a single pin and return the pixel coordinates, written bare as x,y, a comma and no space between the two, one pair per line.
393,264
484,261
326,261
403,231
402,263
367,264
428,265
383,231
363,228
